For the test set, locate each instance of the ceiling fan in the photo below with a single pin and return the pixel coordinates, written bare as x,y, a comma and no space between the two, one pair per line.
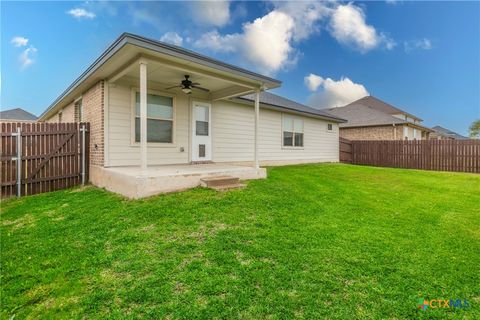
188,85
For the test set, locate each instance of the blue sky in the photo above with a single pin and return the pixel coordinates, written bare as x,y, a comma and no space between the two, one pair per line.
423,57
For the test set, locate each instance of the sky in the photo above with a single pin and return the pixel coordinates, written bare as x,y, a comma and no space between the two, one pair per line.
423,57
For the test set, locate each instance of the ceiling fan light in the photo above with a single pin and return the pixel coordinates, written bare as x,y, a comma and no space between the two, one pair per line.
187,90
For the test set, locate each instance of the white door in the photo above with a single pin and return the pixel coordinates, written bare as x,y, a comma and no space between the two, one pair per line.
201,131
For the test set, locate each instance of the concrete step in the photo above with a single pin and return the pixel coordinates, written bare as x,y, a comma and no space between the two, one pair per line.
218,181
229,187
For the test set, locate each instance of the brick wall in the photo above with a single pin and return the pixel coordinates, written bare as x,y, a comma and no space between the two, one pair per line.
372,133
92,111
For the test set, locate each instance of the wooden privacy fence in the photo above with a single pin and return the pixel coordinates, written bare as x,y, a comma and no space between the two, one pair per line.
43,157
440,155
345,147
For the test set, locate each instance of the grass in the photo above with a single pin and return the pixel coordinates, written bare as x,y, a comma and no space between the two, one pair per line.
311,241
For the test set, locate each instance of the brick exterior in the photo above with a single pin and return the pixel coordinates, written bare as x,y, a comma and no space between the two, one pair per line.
372,133
93,112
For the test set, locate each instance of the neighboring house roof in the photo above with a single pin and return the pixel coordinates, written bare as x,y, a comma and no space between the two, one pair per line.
377,104
145,45
278,102
17,114
364,116
448,133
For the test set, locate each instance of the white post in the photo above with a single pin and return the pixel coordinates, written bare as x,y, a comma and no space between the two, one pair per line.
83,130
257,120
19,161
143,115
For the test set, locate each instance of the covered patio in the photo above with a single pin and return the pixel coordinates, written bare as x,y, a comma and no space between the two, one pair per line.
136,182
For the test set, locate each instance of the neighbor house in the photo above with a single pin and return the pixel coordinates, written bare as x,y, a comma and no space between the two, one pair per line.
162,118
17,115
370,118
441,133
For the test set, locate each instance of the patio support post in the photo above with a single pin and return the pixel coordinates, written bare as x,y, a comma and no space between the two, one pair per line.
143,115
257,119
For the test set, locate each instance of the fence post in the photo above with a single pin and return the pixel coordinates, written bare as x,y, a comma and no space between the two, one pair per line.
18,134
83,129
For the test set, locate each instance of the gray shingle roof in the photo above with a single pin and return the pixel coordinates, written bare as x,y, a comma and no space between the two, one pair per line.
268,98
445,132
17,114
360,115
377,104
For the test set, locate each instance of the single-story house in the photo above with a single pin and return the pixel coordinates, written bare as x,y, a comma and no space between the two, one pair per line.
370,118
441,133
162,118
17,115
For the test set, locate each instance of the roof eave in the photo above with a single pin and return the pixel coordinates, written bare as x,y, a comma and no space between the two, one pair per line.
291,110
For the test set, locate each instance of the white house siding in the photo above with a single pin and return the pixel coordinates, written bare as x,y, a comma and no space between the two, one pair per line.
232,135
233,132
319,143
122,152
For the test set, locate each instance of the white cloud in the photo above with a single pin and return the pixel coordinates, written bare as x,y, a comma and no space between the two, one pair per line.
312,81
81,13
333,93
269,42
422,44
349,27
216,42
173,38
306,16
19,41
26,57
265,42
211,13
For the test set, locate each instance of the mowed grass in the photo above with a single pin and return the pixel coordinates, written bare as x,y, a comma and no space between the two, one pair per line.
312,241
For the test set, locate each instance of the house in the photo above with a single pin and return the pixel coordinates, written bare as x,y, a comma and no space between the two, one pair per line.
370,118
17,115
163,118
441,133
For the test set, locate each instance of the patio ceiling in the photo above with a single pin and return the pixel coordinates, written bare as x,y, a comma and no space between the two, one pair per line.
164,75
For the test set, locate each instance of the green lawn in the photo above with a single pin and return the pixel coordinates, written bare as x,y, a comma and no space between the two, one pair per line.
311,241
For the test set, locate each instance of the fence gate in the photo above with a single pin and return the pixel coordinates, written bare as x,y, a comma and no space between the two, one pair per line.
43,157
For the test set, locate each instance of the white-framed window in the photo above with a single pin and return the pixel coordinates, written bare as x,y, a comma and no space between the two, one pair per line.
292,131
60,116
405,132
329,127
160,118
78,110
414,133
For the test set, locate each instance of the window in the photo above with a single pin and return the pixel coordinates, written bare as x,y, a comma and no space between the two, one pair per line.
78,110
329,127
201,120
159,118
292,132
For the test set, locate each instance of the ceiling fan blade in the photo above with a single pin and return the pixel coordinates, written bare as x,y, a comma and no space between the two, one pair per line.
200,88
195,84
177,86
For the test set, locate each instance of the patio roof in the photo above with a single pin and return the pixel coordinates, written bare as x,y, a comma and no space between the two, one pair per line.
129,47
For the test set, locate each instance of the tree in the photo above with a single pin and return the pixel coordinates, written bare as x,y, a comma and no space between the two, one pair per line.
475,129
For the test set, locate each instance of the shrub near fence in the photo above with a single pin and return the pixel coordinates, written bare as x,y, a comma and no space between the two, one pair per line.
51,157
440,155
